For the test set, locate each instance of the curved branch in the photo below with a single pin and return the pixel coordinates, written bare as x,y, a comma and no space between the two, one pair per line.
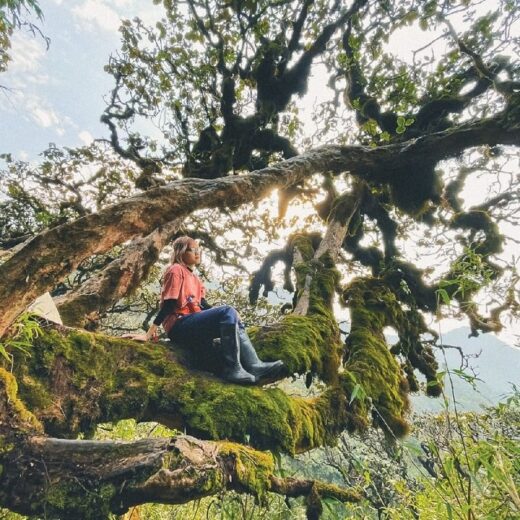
117,280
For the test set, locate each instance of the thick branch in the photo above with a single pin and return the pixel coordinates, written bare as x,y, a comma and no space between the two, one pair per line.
90,479
52,255
117,280
75,380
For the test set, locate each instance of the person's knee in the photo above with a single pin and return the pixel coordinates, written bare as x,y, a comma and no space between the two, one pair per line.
229,314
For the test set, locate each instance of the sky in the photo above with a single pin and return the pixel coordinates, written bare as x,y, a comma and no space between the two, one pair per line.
56,95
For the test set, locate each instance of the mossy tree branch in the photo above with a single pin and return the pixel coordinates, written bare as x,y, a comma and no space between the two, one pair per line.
90,479
75,380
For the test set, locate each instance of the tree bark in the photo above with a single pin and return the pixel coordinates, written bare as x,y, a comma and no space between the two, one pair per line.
90,479
338,223
117,280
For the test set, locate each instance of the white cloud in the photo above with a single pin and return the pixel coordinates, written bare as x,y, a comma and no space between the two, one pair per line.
97,13
44,118
86,137
26,53
121,3
36,110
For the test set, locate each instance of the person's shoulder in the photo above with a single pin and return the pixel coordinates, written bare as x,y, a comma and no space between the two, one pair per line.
174,269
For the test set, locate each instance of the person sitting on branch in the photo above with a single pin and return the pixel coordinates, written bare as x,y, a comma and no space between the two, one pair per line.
187,317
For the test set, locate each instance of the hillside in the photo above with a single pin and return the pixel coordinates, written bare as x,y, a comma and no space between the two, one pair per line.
495,363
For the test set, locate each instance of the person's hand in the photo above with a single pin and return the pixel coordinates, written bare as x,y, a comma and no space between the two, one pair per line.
136,337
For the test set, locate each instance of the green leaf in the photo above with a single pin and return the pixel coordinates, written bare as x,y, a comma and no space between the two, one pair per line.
444,296
357,393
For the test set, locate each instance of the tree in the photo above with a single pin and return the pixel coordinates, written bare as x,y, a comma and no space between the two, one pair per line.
221,80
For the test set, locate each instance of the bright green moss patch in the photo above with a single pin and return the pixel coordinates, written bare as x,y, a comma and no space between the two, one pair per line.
20,418
253,468
327,490
372,369
303,343
268,419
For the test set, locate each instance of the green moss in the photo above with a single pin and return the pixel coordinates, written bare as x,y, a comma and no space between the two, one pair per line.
35,394
68,499
327,490
370,365
253,468
303,243
304,343
266,418
56,497
20,417
102,379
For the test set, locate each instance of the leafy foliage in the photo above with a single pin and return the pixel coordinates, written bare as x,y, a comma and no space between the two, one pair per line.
24,332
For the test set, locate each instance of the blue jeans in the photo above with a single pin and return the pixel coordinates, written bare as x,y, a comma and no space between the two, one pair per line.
204,326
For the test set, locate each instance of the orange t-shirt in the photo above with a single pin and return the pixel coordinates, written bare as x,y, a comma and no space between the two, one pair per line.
182,285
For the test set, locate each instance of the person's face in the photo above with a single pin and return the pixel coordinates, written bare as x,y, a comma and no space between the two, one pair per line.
192,255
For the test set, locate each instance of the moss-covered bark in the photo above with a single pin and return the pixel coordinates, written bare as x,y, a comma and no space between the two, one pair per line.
369,362
73,380
59,478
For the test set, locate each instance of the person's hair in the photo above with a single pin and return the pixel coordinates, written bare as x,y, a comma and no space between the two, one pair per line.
180,246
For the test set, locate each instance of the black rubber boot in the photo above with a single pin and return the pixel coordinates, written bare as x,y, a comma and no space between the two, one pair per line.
233,370
252,363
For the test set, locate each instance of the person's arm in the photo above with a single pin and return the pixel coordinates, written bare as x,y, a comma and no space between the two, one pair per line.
167,308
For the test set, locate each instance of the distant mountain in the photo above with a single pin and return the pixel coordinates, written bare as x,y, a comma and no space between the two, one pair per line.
494,362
